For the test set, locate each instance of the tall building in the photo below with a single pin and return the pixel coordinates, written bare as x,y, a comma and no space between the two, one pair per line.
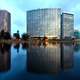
5,21
77,34
67,28
50,22
44,22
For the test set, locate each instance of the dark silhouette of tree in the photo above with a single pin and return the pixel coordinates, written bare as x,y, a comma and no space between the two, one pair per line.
25,36
17,35
5,35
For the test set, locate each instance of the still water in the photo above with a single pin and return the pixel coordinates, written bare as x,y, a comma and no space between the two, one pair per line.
40,61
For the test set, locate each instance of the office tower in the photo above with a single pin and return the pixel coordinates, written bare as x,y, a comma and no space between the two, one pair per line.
50,22
67,25
44,22
5,21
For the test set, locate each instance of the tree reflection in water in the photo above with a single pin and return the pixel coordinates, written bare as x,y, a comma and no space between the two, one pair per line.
25,45
17,46
5,57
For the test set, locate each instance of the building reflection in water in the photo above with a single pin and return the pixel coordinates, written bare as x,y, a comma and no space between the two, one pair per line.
76,47
50,58
67,56
5,57
44,58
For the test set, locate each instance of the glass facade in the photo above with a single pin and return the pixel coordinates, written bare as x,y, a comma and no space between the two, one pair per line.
67,25
44,22
5,21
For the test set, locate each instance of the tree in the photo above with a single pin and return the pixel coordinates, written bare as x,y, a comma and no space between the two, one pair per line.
7,35
25,36
17,35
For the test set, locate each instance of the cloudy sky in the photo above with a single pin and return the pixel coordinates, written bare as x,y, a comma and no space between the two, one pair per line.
18,9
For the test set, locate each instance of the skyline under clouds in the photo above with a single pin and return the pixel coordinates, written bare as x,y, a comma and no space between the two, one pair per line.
18,9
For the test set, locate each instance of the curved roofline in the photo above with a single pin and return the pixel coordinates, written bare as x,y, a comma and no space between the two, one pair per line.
4,10
67,13
42,9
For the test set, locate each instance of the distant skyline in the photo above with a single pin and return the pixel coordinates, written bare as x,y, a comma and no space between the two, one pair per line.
18,9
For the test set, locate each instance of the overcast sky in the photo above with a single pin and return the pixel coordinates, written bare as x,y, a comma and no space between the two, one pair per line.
18,9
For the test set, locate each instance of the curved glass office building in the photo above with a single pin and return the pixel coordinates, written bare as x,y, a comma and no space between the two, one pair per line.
44,22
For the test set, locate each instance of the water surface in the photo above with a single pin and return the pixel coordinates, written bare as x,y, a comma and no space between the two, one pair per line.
50,61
